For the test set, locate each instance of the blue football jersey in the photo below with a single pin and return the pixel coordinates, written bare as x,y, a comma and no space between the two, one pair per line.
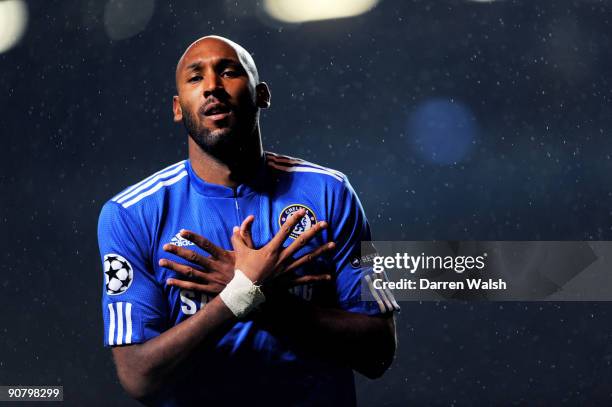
137,305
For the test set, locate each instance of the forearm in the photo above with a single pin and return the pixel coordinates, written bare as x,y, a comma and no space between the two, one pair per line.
334,334
142,368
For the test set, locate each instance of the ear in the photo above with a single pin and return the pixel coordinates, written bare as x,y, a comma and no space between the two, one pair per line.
262,95
176,108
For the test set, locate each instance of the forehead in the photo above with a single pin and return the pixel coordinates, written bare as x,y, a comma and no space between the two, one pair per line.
207,50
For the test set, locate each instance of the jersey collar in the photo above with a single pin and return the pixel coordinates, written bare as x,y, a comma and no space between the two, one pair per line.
221,191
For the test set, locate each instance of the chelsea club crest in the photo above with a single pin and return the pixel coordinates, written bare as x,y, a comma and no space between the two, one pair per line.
306,223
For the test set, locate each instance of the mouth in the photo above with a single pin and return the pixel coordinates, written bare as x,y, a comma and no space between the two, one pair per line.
217,111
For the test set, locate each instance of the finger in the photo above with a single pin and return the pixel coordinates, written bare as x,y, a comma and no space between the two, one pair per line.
302,240
285,230
188,285
310,256
184,270
189,255
203,243
245,230
310,280
237,241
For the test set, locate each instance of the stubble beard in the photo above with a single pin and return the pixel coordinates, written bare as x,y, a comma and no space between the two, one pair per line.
226,144
218,143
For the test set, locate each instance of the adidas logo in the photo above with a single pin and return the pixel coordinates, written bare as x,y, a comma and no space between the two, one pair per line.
180,241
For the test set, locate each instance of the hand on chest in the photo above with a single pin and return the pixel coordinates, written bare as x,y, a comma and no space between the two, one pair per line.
215,221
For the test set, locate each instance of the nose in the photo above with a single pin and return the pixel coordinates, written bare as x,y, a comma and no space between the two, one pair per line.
212,84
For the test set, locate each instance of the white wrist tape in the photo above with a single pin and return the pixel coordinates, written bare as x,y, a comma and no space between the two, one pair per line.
240,295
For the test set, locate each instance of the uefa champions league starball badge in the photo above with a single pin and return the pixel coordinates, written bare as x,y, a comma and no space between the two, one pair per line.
118,273
306,223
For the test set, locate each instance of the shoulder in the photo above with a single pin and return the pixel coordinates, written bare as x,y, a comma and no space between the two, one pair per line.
132,196
131,215
310,177
294,167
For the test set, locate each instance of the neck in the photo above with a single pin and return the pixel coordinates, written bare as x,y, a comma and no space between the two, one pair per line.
221,172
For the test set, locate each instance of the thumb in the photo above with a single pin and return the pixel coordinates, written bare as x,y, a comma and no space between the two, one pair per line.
245,230
237,241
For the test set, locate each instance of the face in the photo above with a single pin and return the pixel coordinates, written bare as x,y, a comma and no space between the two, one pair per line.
218,99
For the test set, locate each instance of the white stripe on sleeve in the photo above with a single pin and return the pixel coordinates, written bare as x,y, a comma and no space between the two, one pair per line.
119,323
128,322
392,298
383,296
381,305
303,169
133,187
111,325
156,188
149,183
292,160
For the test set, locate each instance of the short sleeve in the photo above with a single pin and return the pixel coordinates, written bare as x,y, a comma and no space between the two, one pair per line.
133,306
350,228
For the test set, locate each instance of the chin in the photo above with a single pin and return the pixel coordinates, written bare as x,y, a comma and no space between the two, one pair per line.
219,132
220,142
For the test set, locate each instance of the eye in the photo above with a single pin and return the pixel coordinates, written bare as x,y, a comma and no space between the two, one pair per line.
230,73
195,78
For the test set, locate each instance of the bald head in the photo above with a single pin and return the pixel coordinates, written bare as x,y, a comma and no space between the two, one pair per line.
214,42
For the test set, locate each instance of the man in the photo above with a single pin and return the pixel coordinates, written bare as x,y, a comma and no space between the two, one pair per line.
197,309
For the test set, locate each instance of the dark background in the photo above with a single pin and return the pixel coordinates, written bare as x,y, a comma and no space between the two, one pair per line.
514,94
